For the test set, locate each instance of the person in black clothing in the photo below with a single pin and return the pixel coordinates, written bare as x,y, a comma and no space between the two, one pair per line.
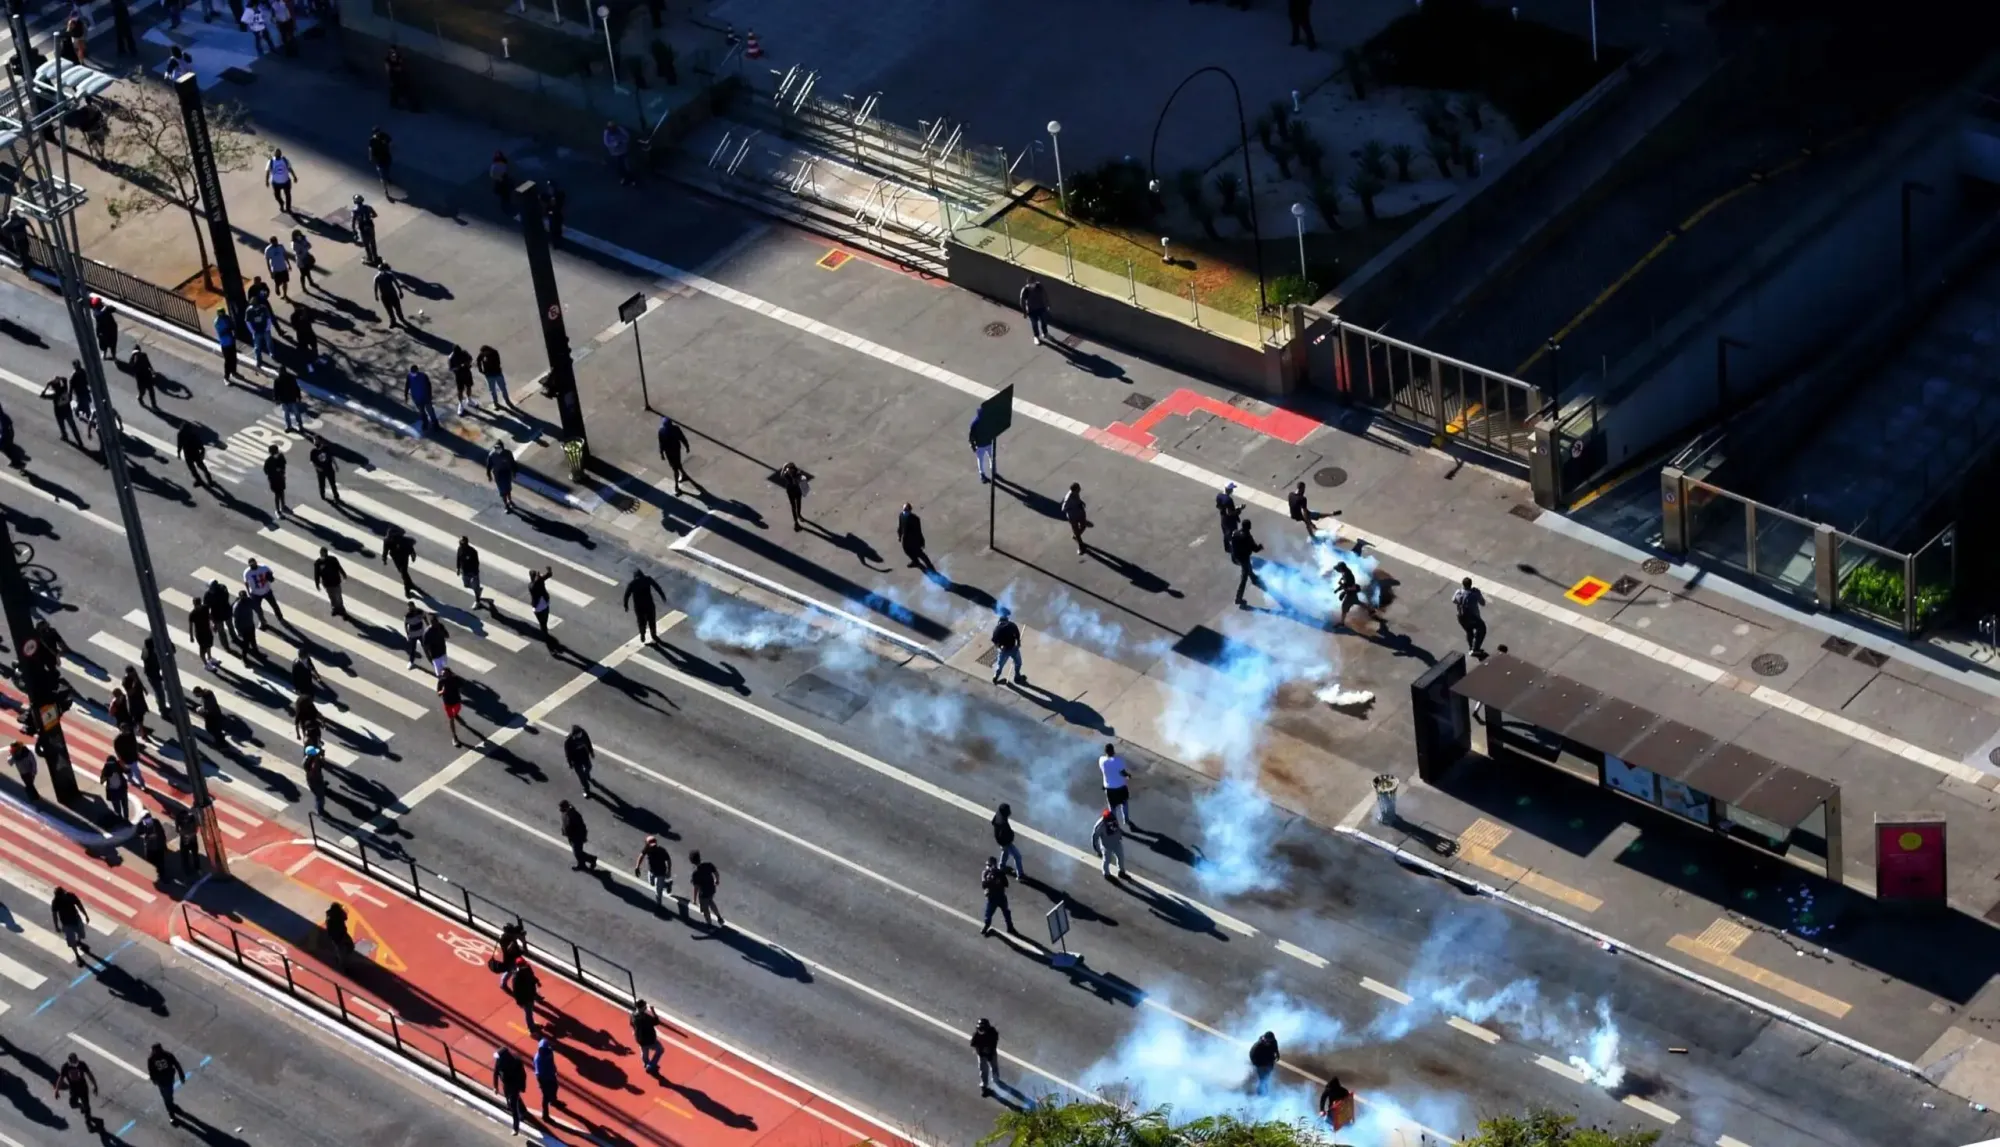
451,694
1301,511
145,378
316,782
459,362
304,333
1077,515
105,320
121,24
326,469
555,203
910,532
993,881
216,598
465,562
70,916
389,292
1468,601
510,1075
673,447
1003,835
538,603
1007,647
149,663
306,680
290,399
57,392
1230,511
580,754
646,1035
274,474
166,1073
659,866
706,878
1264,1060
334,924
399,549
381,154
187,826
1299,12
328,575
75,1077
986,1045
1035,305
640,595
151,838
401,93
576,832
524,987
364,230
1243,547
797,486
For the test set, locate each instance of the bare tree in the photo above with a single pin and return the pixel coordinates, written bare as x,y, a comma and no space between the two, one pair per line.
149,149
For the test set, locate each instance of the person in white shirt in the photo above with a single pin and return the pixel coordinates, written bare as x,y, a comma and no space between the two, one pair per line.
278,173
262,585
1108,841
1117,785
279,261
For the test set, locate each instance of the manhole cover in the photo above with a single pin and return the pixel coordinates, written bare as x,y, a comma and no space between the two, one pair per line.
1329,476
1873,659
1769,664
1526,512
995,330
1994,757
1624,586
1838,645
1653,566
1138,401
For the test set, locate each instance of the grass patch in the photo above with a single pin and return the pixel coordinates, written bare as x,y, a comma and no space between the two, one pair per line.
1223,272
1530,71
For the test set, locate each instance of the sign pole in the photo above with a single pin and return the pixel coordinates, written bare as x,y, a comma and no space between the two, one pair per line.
630,312
561,382
1058,922
993,497
641,356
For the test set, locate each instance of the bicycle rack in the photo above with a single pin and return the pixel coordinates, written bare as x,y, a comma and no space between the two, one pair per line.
715,155
875,195
803,177
742,150
867,111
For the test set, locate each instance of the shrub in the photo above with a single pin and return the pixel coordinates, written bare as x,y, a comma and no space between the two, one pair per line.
1227,184
1355,65
1113,192
1326,199
1526,70
1281,154
1878,589
1281,116
1289,289
1188,181
1263,126
1440,151
1402,154
1312,153
1375,159
1205,215
1366,186
1436,111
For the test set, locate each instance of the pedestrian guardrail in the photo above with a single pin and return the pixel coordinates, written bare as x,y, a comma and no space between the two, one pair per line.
104,279
427,886
273,963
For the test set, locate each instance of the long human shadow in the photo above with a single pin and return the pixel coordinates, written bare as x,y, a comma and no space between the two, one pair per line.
1087,591
23,1097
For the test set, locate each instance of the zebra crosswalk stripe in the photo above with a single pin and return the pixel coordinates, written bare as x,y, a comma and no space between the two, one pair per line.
362,611
489,562
366,574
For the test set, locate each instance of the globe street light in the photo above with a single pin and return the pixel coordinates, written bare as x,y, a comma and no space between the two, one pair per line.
610,53
1055,133
1299,218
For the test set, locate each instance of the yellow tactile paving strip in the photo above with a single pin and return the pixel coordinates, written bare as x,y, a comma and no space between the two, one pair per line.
1476,845
1717,946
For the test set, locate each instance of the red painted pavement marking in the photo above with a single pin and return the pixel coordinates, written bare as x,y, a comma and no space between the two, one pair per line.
1587,591
1284,425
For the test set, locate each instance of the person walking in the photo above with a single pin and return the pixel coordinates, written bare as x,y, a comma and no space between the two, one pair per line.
149,664
244,617
1302,512
291,401
71,916
203,631
328,577
278,172
706,879
501,175
23,760
797,485
993,881
191,443
1230,511
986,1045
642,595
510,1076
144,378
465,562
617,149
646,1036
659,866
982,453
305,332
910,532
211,714
316,781
1117,785
524,987
545,1074
417,388
325,467
437,644
1007,646
278,261
75,1078
381,155
451,694
1003,835
220,606
580,754
363,217
1075,513
399,550
1264,1061
459,363
274,476
500,467
257,320
389,292
304,259
121,27
1468,602
673,445
1299,13
577,833
1107,840
555,203
334,925
166,1073
225,341
538,601
414,624
135,692
1243,550
306,723
263,587
105,321
57,392
487,363
1035,305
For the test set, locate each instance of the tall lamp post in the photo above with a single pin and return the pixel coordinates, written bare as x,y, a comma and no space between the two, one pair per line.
1299,220
610,53
1055,142
1249,178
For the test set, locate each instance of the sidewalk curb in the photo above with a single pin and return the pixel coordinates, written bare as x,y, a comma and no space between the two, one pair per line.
342,1032
1737,994
806,600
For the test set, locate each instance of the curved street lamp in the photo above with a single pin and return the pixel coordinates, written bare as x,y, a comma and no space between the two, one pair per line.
1249,180
1055,142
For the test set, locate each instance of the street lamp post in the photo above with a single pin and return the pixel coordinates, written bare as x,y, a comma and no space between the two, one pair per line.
610,53
1249,177
1299,220
1062,196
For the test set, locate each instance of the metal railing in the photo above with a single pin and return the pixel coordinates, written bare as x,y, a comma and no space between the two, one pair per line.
550,947
104,279
274,964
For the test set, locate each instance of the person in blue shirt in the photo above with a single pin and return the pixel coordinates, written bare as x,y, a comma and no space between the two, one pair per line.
417,386
225,337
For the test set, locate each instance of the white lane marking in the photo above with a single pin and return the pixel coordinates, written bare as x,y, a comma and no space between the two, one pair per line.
41,893
1565,1070
1483,1035
91,870
885,769
807,600
1397,995
33,933
106,1055
79,511
367,574
1730,1141
1298,953
362,611
501,736
466,514
103,732
231,702
435,572
22,974
1648,1107
301,620
488,561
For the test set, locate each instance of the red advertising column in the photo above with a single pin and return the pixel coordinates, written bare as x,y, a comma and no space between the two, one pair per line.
1910,858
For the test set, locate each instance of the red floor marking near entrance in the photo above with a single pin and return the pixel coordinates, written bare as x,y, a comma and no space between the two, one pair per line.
1284,425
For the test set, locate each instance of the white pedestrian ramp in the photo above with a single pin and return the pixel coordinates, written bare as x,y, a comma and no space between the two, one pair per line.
365,574
493,566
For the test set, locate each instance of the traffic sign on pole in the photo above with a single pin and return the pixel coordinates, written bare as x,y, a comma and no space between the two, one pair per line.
629,312
994,417
1058,921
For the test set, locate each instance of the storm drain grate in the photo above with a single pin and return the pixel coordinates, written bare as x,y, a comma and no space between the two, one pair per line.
1330,476
1838,645
1769,664
1526,512
1138,401
995,330
1624,586
1872,658
1654,566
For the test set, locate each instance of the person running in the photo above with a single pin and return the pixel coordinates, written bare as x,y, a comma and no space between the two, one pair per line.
1078,517
166,1073
641,596
437,643
510,1076
328,577
1117,785
1003,835
451,694
487,363
500,468
71,917
1264,1061
466,563
993,882
1468,602
646,1036
1108,842
263,587
910,534
659,866
316,779
673,444
1302,511
191,443
274,476
706,879
1243,550
797,485
75,1078
414,624
538,601
399,549
577,833
986,1045
1007,646
459,362
325,468
580,754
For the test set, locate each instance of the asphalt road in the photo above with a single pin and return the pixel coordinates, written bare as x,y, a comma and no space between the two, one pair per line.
844,796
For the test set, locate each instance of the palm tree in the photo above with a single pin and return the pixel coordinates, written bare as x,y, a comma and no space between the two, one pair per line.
1402,154
1227,184
1365,185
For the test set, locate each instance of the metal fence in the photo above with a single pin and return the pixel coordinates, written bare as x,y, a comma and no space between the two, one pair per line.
432,888
1442,396
104,279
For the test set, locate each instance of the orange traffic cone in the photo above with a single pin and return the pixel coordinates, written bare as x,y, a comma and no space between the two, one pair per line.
752,50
